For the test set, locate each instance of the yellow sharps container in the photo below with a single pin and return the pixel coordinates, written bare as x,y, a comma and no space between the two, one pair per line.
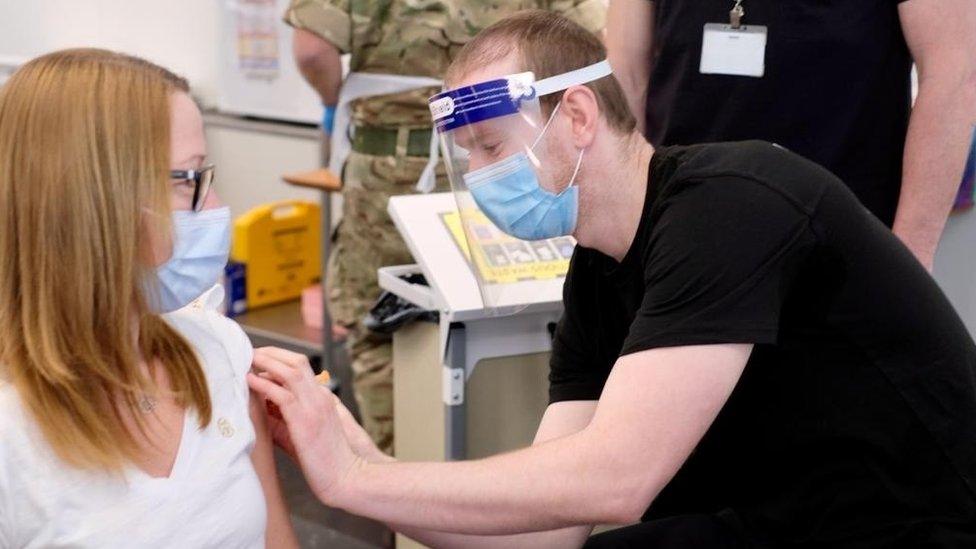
280,246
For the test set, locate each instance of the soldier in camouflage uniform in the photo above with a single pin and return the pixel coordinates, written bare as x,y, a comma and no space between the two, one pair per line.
390,150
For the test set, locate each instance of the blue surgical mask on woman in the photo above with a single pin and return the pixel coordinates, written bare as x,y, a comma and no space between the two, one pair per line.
201,246
509,194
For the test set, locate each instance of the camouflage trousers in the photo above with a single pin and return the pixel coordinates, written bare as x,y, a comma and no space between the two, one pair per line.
366,241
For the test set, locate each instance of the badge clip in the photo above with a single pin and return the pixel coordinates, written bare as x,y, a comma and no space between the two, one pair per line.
736,15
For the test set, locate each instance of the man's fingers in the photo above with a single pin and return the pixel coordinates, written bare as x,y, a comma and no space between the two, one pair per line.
278,370
344,412
348,422
285,406
282,383
282,437
270,390
296,360
289,369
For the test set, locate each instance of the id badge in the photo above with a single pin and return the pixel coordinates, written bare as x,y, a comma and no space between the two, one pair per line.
736,52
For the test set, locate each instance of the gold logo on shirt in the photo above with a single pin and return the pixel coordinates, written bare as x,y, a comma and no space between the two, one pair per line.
225,428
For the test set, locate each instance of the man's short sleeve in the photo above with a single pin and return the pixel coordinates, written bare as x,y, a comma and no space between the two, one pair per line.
589,14
329,19
574,372
722,257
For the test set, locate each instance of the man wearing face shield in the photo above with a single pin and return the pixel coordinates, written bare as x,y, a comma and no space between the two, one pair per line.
739,363
382,142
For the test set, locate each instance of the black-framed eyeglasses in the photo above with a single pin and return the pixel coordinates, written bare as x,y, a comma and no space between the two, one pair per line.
202,181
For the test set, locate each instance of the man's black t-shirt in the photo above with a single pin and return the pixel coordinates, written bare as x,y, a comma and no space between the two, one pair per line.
854,421
836,89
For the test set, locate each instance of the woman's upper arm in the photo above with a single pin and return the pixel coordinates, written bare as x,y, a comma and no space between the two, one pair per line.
280,533
5,507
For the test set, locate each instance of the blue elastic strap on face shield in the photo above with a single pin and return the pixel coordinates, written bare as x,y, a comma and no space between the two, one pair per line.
465,105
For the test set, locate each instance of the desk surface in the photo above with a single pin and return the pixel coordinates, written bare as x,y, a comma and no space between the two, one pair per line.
282,325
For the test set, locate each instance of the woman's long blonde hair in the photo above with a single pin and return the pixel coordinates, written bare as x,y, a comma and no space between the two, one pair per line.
84,154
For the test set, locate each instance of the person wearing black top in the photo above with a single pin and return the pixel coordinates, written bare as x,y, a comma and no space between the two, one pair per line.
857,401
747,358
836,88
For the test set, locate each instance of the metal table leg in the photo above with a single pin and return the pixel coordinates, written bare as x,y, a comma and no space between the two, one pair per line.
328,353
455,426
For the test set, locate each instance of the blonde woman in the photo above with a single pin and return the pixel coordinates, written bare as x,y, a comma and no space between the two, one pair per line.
125,418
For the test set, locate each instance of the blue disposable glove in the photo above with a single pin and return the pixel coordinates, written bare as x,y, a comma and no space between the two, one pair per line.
328,118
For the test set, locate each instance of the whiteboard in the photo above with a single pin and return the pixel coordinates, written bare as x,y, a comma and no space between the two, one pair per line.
257,75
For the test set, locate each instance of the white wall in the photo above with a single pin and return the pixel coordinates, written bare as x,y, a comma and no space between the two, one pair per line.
250,166
179,34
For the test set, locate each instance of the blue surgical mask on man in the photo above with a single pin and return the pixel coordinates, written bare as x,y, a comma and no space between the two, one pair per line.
201,246
509,194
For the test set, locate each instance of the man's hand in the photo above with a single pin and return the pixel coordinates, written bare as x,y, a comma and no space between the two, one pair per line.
655,408
279,433
312,431
360,441
362,445
358,438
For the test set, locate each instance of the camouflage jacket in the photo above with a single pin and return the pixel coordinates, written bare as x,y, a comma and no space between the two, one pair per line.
414,38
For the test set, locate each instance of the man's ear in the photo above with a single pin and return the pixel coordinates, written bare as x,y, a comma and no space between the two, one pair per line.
580,105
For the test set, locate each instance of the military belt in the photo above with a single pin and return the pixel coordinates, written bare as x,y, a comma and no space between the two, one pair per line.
391,141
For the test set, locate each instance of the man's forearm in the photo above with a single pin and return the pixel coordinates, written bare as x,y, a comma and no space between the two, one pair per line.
561,539
935,154
559,420
566,482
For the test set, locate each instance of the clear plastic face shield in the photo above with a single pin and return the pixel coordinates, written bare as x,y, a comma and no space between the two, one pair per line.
516,194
